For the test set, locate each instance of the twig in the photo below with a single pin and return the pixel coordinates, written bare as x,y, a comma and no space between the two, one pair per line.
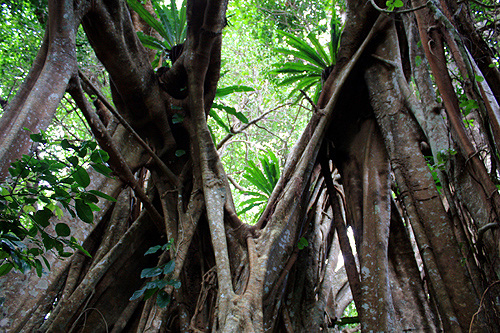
117,160
481,304
235,184
309,100
244,127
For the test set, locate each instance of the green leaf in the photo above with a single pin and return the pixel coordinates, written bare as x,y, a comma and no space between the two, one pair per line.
148,18
298,68
29,209
169,267
89,197
418,61
177,118
302,243
153,249
74,244
84,211
102,169
306,52
99,156
65,144
162,299
218,120
479,78
63,230
37,137
103,195
73,160
151,42
319,49
137,294
46,262
221,92
149,293
81,177
38,267
398,3
5,268
230,110
180,152
42,217
47,241
150,272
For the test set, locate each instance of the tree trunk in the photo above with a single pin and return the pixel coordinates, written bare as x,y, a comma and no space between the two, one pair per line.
425,259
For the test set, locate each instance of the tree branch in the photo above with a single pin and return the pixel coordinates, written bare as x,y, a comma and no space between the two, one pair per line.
116,159
163,167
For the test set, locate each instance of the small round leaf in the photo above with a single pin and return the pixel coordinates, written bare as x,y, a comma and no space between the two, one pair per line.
63,230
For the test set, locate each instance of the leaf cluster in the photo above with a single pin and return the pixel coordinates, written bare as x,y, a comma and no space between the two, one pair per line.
308,60
171,26
40,186
264,180
158,285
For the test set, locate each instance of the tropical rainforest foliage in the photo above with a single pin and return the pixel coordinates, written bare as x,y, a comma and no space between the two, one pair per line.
187,166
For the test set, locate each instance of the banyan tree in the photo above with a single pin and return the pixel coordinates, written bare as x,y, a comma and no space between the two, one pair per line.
388,154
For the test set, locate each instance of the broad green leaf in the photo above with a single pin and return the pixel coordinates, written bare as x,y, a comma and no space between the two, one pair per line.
221,92
149,293
319,49
37,137
63,230
307,52
84,211
38,267
29,209
99,156
219,121
162,299
81,177
148,18
5,268
150,272
153,249
102,169
169,267
151,42
103,195
302,243
47,241
73,160
42,217
137,294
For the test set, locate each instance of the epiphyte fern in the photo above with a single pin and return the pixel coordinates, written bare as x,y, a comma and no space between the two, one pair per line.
263,179
171,26
311,61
